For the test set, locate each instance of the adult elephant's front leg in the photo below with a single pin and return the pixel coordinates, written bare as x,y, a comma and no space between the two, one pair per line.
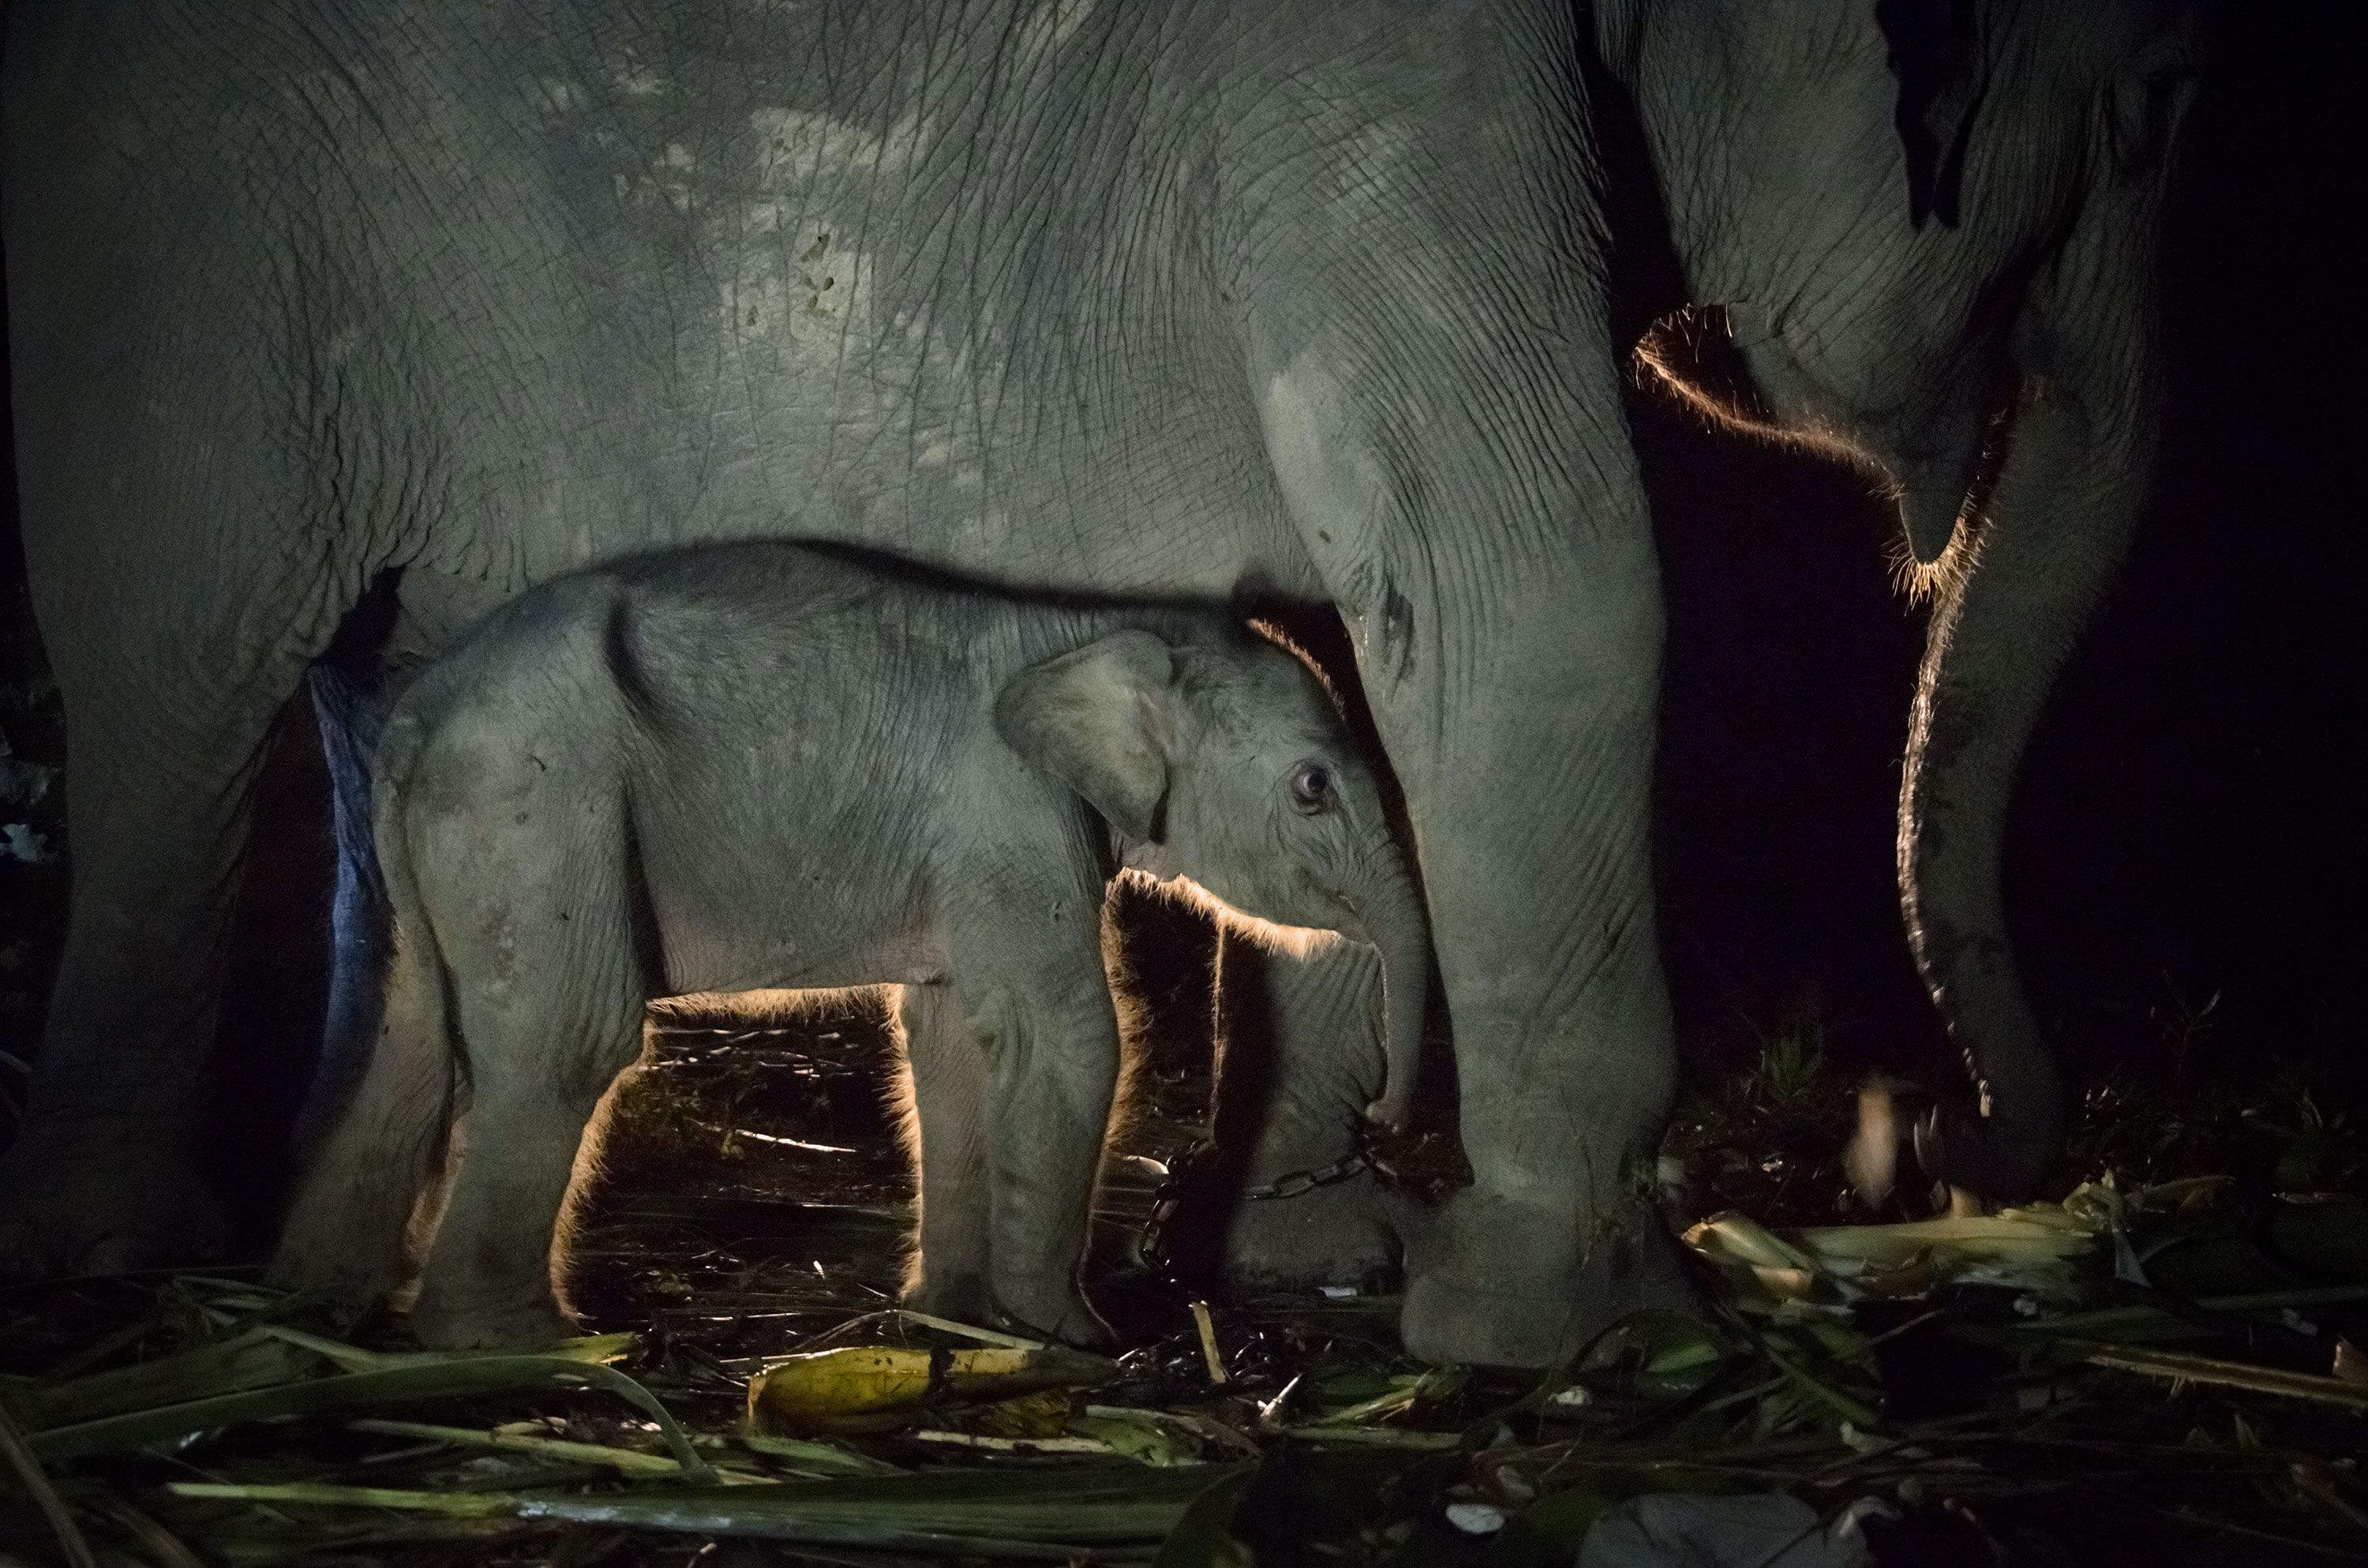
1528,789
1441,404
1507,624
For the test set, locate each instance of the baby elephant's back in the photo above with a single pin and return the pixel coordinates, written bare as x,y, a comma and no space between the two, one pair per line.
765,733
759,669
526,694
709,661
795,727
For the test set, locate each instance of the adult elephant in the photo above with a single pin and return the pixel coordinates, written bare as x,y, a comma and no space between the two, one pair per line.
1928,233
1306,299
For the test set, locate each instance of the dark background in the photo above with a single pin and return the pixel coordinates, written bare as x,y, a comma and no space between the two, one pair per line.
2190,824
2190,816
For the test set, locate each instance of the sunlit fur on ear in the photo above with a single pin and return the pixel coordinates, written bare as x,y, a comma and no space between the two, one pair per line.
1291,941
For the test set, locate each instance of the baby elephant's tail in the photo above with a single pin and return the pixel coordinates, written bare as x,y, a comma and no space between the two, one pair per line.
347,1230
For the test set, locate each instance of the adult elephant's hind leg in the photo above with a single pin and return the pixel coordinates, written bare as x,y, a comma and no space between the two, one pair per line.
167,720
183,578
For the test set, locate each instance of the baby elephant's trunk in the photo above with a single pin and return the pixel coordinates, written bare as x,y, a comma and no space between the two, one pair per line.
1395,924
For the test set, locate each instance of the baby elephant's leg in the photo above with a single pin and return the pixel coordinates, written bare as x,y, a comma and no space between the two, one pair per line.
491,1271
1050,1034
948,1088
344,1232
532,906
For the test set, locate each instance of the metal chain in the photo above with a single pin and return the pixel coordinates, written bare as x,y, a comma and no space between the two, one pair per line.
1169,1198
1291,1183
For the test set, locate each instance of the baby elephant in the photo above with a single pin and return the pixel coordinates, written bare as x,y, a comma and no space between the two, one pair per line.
768,765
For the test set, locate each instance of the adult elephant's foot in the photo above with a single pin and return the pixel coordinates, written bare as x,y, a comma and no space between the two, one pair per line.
1494,1281
104,1194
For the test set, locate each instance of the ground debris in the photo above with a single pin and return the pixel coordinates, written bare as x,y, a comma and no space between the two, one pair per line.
2165,1370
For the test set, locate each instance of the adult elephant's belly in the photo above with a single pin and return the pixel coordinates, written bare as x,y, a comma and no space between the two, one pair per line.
906,307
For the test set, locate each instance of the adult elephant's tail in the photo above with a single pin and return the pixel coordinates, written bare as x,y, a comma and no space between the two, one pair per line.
2012,592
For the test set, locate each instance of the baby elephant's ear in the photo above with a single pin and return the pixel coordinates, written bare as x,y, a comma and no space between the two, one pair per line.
1098,719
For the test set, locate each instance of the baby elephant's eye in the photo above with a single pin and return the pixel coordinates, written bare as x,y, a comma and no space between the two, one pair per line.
1311,786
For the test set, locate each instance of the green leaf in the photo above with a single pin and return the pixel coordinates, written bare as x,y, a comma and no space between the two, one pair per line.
1437,1382
1052,1515
629,1462
411,1377
1204,1537
257,1358
1145,1442
806,1453
354,1359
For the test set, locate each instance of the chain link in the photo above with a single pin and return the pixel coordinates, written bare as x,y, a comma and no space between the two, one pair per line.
1170,1199
1291,1183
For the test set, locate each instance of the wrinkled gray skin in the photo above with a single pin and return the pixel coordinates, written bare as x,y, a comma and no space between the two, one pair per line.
763,767
1963,308
1309,298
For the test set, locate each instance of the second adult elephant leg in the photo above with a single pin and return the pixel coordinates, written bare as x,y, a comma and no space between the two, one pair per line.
1299,1043
1543,903
1505,610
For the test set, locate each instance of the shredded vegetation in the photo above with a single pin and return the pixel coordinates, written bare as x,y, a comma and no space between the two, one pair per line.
2159,1367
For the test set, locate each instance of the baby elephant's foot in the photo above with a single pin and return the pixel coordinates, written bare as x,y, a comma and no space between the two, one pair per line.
322,1253
347,1287
486,1325
1061,1314
959,1295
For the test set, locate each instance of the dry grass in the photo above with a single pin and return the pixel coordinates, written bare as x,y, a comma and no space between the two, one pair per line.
2171,1393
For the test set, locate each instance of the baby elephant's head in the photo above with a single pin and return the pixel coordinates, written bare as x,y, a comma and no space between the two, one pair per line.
1228,763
